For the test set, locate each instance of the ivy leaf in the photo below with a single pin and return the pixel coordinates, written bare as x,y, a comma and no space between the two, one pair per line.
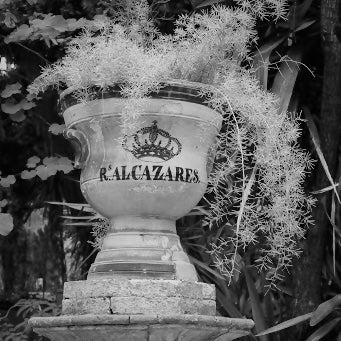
76,24
7,181
32,161
55,164
3,203
6,223
56,129
28,174
21,33
43,172
11,89
51,162
27,105
10,107
18,116
65,165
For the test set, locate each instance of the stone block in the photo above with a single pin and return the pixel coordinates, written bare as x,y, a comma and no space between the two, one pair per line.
161,306
138,305
89,305
149,288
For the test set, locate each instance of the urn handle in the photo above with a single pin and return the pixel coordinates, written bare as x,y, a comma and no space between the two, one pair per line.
80,145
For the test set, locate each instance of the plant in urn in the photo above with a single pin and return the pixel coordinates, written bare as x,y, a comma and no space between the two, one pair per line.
156,121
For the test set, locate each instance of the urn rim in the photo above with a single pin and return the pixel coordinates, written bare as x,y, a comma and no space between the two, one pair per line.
173,90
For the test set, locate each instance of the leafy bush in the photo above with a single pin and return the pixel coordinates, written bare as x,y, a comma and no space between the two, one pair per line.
24,310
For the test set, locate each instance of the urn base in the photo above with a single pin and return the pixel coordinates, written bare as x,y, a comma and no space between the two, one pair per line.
142,247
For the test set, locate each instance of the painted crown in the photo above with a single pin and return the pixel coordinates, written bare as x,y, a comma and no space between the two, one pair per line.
152,143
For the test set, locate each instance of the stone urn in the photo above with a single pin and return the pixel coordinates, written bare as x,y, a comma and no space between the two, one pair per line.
142,285
144,180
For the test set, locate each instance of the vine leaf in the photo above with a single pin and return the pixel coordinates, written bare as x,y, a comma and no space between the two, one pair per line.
44,172
3,203
7,181
50,166
10,107
28,174
18,116
32,161
49,28
6,223
10,90
56,129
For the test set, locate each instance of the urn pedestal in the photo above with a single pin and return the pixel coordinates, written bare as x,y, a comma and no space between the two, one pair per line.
142,285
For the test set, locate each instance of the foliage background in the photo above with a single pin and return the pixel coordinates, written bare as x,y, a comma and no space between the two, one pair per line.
33,33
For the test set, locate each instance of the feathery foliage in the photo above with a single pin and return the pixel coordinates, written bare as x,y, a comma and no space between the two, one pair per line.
256,182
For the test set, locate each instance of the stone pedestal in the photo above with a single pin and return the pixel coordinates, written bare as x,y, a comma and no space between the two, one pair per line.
142,285
139,310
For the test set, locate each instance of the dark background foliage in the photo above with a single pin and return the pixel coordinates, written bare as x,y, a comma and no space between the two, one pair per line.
57,252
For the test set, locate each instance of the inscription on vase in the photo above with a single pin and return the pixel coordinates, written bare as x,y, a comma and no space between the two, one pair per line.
149,172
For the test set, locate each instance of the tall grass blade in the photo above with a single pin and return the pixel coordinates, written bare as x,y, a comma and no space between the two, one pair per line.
333,219
228,305
261,60
257,311
324,309
200,3
206,267
285,78
316,140
286,324
327,189
79,207
324,330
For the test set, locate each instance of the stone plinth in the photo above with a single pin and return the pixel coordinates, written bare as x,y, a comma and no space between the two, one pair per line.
138,296
139,310
141,328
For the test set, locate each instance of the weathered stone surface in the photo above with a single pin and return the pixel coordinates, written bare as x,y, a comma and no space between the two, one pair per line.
149,288
100,305
138,305
141,328
184,270
138,296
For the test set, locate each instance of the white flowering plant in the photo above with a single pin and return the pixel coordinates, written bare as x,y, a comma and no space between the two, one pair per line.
255,190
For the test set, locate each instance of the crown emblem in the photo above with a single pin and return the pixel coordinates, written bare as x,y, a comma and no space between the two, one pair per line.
152,144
